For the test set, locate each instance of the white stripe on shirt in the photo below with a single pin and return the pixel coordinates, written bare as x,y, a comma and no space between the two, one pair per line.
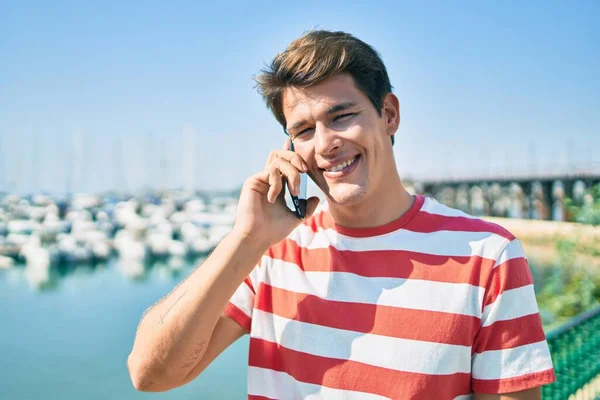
400,354
510,363
456,298
279,385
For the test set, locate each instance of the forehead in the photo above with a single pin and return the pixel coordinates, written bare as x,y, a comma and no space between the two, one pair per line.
310,101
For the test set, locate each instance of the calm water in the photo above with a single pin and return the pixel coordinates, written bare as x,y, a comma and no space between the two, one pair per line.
71,339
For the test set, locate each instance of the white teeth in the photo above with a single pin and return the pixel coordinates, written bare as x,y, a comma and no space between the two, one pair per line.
341,166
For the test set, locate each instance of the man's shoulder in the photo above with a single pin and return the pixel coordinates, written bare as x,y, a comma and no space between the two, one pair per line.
441,217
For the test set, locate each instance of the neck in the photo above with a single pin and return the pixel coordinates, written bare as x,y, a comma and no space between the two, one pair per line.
389,205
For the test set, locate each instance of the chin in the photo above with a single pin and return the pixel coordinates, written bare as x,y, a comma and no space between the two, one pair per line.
347,194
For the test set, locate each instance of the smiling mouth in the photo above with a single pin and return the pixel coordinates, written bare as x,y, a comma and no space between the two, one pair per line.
343,165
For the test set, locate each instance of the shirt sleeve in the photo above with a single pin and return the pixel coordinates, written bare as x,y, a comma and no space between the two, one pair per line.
241,304
510,352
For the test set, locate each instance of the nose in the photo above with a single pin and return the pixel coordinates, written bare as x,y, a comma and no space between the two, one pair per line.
327,140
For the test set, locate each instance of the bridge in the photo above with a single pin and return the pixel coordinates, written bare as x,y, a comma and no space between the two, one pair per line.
514,195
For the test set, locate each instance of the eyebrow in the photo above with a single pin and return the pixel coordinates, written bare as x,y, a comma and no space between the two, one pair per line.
331,110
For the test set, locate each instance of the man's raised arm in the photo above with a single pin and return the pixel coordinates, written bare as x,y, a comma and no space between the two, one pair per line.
185,331
175,334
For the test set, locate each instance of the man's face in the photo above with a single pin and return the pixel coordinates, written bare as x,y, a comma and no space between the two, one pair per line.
339,134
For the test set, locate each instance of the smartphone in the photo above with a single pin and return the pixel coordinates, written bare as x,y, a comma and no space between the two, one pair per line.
300,200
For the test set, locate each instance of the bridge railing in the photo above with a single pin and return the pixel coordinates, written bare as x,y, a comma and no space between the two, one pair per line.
575,349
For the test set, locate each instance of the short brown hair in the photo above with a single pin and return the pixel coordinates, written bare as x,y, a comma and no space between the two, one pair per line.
318,55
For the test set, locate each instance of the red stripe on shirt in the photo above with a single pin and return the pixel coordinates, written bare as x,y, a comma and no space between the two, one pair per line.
473,270
430,326
426,223
356,376
417,221
249,283
233,312
515,384
509,334
512,274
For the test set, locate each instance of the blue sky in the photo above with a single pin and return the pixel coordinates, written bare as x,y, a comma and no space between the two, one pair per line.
483,87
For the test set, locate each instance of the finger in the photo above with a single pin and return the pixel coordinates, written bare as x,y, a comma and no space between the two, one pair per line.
273,155
275,185
258,182
311,206
287,155
291,174
286,144
281,196
292,158
298,162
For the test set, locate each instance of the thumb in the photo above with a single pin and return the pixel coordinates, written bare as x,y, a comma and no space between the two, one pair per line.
311,206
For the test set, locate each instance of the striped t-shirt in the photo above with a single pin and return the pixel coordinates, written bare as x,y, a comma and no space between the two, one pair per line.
434,305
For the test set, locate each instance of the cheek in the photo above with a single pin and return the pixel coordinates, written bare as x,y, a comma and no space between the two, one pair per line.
306,151
357,133
364,134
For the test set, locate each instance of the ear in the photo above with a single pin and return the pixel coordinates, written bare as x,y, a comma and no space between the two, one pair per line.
391,113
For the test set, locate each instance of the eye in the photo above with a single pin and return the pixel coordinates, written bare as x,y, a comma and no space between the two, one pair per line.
303,131
338,117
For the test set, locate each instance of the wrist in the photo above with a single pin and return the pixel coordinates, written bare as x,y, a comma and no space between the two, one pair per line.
250,242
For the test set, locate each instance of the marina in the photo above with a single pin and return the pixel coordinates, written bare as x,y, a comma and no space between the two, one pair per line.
42,232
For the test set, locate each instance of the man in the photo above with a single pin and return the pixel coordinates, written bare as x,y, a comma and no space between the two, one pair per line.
379,294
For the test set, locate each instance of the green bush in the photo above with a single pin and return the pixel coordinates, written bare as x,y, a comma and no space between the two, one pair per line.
571,288
567,292
589,211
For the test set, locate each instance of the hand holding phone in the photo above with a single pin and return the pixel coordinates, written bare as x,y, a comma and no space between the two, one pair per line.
262,214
